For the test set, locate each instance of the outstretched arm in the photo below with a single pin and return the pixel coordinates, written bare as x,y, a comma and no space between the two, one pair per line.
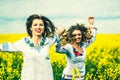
7,47
0,47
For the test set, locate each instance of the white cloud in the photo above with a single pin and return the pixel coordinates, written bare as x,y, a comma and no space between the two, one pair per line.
62,12
60,7
108,26
13,27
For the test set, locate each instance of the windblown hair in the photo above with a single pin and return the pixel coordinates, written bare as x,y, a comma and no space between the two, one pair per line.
68,38
49,28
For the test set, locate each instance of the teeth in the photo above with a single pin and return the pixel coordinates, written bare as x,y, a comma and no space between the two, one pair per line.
38,30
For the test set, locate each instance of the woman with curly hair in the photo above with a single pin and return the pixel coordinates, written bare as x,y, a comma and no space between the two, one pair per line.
76,39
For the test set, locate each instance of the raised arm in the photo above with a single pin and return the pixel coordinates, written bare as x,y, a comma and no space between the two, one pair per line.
56,37
91,29
60,31
93,33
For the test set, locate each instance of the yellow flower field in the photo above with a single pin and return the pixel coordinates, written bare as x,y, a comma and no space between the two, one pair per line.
102,60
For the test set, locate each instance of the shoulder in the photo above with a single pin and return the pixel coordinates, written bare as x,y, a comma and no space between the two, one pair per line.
21,42
68,46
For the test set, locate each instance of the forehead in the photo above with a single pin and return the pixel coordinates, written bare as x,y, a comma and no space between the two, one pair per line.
76,31
37,21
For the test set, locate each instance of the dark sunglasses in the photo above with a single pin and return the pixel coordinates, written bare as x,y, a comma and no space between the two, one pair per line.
76,35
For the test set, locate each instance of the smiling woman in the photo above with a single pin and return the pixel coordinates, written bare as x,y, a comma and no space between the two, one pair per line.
75,50
35,49
37,29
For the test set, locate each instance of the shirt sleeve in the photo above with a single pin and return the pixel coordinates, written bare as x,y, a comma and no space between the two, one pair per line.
67,49
7,46
94,32
53,39
61,49
0,47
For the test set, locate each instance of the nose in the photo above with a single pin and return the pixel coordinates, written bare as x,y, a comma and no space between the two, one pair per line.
78,35
39,26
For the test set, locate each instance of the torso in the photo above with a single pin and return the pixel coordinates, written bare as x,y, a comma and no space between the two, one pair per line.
33,59
75,62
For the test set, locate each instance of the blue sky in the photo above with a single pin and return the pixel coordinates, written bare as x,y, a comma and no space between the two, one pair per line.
63,13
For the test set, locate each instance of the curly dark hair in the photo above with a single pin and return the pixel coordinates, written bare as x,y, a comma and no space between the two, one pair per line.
81,27
48,25
67,37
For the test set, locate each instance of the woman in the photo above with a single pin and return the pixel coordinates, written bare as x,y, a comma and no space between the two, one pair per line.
78,38
35,48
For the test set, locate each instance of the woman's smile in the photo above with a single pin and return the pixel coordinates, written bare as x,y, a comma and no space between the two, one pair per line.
38,30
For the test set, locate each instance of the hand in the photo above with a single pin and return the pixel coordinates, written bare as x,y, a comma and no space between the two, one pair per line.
91,20
60,31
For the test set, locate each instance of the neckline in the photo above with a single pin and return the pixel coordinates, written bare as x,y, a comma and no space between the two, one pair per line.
31,44
77,53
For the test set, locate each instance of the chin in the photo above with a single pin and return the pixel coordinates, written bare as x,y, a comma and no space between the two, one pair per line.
39,34
77,41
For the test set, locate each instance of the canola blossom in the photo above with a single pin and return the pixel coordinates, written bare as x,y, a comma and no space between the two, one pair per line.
102,60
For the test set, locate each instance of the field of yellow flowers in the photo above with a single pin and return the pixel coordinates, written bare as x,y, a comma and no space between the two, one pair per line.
102,61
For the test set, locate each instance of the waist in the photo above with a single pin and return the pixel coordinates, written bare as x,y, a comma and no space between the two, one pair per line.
70,76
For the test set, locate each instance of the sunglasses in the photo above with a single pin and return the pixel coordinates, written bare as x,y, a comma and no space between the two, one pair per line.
76,35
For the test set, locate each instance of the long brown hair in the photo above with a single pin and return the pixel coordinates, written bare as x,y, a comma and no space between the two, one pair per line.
68,38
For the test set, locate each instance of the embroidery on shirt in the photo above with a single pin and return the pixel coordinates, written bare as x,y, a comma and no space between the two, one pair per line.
75,73
5,46
77,53
37,47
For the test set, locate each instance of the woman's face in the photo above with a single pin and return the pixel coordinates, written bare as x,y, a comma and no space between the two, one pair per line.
37,27
77,35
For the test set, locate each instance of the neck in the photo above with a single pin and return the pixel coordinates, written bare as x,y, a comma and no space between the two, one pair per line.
75,45
36,39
